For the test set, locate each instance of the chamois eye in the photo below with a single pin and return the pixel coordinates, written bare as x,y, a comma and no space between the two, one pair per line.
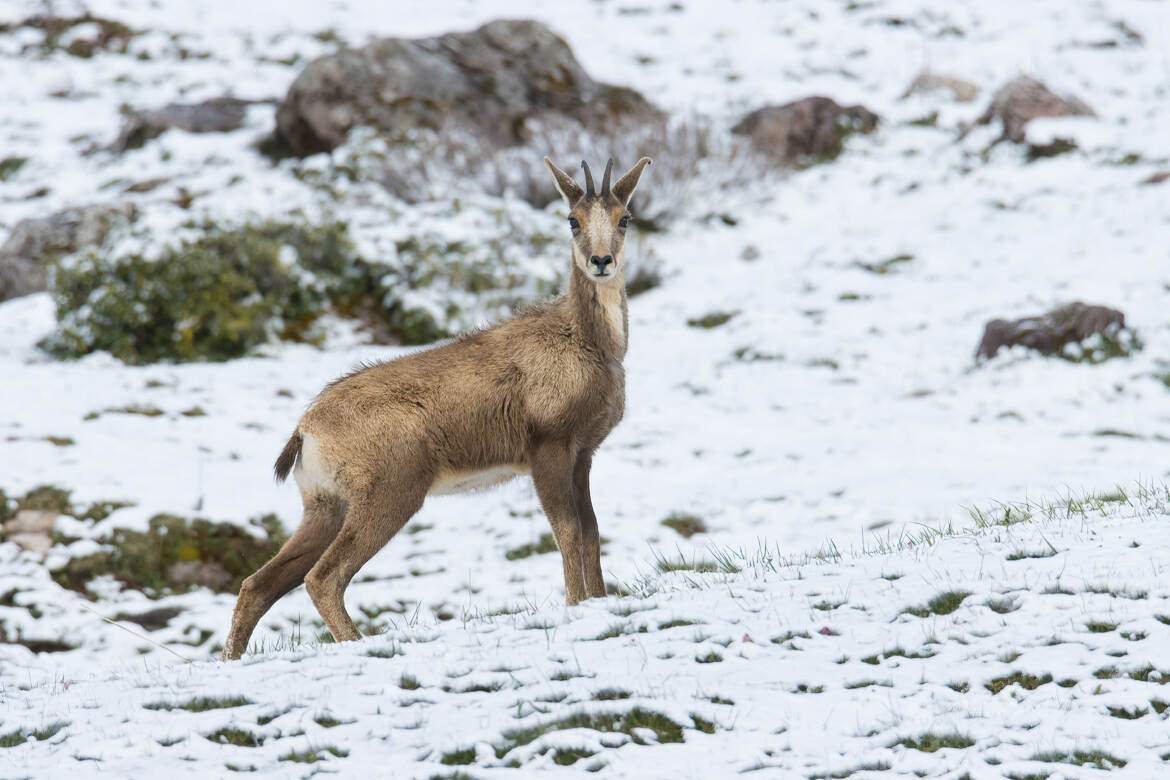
574,224
625,220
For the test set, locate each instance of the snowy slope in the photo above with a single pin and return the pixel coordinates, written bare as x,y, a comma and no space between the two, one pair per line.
1025,648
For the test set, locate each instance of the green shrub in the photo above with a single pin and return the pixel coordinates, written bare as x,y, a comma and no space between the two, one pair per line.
226,290
213,297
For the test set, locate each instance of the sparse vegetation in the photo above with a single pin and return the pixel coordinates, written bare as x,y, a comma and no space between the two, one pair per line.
144,560
684,524
711,319
942,604
546,544
201,704
930,742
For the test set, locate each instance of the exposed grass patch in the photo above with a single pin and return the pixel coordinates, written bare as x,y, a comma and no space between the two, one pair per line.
20,736
1100,626
1026,681
930,742
9,167
620,629
872,766
709,658
458,757
628,722
883,267
681,563
313,755
942,604
327,721
237,737
546,544
675,623
201,704
866,684
1098,758
684,524
1020,555
385,652
897,652
806,688
408,682
711,319
611,694
1128,714
570,756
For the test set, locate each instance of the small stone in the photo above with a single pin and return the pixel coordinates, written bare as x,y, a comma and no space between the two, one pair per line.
32,542
961,90
206,574
750,252
33,521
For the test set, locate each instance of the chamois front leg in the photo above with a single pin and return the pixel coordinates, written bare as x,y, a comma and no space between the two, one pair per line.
552,474
590,538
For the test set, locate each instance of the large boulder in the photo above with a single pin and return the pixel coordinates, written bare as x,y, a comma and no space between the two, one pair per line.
805,131
491,79
218,115
1052,333
34,242
1023,99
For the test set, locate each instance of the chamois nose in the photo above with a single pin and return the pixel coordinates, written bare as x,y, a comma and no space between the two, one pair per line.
600,263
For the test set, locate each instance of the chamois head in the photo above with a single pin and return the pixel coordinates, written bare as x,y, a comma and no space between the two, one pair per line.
598,219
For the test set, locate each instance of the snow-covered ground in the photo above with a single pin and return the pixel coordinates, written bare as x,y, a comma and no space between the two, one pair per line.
1008,651
835,407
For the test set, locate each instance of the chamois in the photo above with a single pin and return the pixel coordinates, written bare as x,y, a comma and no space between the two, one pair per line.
533,395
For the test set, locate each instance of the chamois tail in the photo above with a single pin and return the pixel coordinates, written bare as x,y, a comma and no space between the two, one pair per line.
288,456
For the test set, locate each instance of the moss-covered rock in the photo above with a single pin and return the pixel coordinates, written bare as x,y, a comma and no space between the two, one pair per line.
144,560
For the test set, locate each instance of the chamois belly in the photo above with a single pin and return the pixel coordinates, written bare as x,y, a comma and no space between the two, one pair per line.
449,482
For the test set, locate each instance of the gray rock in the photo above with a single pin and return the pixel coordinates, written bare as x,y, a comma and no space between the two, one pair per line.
1051,332
207,574
218,115
961,90
1023,99
805,131
34,242
32,521
491,79
34,543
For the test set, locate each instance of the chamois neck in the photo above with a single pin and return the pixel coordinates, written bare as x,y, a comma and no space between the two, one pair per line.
599,311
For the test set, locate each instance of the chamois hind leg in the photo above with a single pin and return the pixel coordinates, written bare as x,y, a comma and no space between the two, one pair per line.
552,474
373,517
286,570
590,538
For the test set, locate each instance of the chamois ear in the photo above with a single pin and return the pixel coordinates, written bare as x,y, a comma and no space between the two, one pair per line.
624,189
568,188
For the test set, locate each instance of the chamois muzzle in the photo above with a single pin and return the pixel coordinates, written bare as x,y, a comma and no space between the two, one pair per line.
601,264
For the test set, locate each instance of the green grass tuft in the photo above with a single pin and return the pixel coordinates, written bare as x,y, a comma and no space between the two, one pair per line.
930,742
201,704
942,604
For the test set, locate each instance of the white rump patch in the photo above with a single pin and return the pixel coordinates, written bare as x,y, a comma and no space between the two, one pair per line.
312,474
468,480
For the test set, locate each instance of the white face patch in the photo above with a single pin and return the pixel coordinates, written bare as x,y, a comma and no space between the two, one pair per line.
599,234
